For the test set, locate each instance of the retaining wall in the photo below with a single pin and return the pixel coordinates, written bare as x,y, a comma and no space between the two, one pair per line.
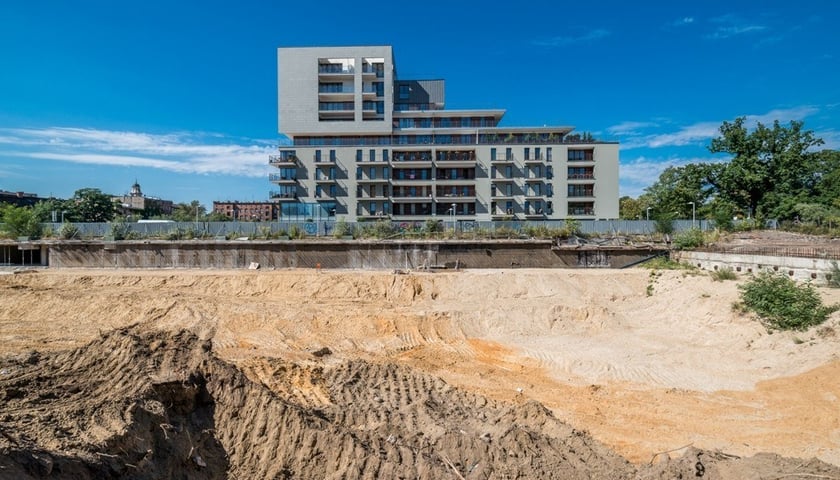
338,254
815,270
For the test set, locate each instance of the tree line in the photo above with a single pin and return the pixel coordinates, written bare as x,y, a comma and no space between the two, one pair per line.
90,205
775,172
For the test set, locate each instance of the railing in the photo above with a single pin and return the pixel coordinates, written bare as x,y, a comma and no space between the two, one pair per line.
335,68
282,159
581,176
274,177
335,106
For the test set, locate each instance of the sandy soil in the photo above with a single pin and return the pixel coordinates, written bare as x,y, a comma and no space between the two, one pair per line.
643,373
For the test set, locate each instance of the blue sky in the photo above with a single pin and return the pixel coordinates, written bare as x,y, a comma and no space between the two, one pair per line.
182,96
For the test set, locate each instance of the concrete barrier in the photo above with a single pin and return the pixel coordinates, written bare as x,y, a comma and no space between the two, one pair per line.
814,270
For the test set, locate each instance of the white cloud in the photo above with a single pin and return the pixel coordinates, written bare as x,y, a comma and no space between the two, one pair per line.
731,25
641,172
701,132
629,128
561,41
681,22
184,152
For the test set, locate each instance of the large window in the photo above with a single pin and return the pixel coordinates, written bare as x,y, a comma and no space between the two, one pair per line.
580,155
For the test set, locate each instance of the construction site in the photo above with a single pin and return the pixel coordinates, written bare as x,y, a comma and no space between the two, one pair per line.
320,372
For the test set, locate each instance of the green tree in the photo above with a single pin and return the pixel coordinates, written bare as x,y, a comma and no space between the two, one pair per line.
670,196
19,221
769,165
188,212
630,208
91,205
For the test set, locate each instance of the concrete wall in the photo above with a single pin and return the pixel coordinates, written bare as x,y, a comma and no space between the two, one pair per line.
803,269
336,254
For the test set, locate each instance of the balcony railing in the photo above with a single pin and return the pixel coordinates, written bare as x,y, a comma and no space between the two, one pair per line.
581,176
335,68
274,177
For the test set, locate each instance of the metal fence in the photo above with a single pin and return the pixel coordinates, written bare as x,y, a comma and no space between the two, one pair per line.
827,253
180,230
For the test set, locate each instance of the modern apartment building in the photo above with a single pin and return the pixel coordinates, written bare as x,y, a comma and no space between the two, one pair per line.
366,144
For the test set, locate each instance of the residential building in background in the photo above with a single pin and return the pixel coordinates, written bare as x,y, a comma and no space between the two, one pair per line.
20,199
248,211
366,145
136,204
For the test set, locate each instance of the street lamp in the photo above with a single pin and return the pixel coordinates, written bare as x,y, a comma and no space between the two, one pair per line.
692,213
647,213
453,217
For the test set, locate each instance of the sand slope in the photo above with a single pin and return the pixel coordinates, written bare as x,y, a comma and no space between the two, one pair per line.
643,373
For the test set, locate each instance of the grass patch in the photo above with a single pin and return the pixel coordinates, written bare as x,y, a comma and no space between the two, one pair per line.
725,273
664,263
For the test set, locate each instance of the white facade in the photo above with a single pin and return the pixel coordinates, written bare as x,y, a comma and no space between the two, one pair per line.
367,145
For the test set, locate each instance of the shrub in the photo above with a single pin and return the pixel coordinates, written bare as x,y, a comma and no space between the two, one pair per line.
782,304
341,229
725,273
68,231
296,232
692,238
119,229
20,222
433,226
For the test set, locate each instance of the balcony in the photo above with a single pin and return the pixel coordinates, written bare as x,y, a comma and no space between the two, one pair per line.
583,176
324,179
282,179
502,180
368,180
336,71
283,160
501,195
502,159
534,160
455,159
412,158
276,196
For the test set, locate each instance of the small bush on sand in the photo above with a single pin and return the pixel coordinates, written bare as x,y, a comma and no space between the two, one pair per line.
725,273
782,304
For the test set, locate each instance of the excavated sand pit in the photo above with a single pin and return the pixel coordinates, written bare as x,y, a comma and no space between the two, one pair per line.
491,374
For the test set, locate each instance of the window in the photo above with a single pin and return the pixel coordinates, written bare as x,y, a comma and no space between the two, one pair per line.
537,153
332,173
333,190
549,190
508,172
385,172
317,155
372,173
492,172
549,173
508,153
372,155
385,155
359,191
404,92
492,190
317,191
359,155
509,207
548,154
385,208
527,153
358,173
332,155
372,208
549,206
580,155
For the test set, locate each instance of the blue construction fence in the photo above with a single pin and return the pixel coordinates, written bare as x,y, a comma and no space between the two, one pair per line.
326,228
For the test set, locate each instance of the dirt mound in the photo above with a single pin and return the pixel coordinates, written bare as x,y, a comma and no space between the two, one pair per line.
158,405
